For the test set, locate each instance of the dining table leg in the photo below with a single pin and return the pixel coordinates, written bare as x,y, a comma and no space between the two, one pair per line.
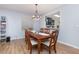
39,47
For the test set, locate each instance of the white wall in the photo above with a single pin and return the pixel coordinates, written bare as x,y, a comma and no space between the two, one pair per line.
69,25
69,29
27,22
36,24
14,23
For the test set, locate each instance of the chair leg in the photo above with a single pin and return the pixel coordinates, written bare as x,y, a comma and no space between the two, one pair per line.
38,48
55,49
31,51
26,41
49,50
28,47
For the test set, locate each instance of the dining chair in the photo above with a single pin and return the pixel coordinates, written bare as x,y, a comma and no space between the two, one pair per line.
30,41
51,42
44,30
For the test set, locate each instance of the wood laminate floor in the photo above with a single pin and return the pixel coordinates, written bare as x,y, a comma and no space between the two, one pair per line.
20,47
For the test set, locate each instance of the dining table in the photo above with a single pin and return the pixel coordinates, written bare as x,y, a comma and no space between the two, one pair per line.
39,37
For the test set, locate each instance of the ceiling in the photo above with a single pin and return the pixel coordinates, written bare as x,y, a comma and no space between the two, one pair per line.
30,8
57,13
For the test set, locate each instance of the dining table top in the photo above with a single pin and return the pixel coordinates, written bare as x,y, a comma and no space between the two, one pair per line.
39,36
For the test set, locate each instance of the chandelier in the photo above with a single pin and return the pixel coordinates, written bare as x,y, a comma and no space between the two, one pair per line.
36,15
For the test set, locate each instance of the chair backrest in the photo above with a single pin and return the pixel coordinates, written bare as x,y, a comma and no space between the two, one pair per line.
27,37
44,30
54,36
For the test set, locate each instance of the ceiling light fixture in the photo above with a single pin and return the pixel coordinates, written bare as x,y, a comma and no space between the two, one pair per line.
56,15
36,13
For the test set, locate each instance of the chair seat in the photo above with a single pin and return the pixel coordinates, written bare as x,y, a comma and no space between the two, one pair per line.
44,34
33,31
46,43
34,42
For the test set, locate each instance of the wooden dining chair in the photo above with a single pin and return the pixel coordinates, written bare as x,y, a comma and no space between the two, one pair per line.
44,30
51,43
30,41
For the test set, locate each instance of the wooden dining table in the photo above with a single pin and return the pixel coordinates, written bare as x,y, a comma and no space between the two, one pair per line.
39,38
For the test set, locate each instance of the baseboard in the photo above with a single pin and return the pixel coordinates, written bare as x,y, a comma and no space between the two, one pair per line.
14,38
68,44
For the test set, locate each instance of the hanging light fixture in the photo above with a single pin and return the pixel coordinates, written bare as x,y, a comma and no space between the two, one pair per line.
36,13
